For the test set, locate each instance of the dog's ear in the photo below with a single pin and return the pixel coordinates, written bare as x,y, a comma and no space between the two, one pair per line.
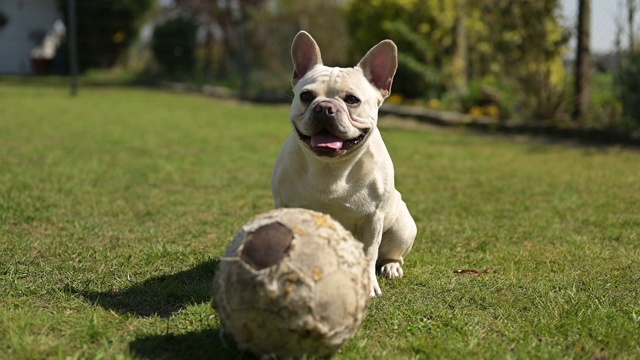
379,66
305,54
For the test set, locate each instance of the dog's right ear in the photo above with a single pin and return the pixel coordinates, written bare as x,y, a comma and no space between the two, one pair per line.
305,54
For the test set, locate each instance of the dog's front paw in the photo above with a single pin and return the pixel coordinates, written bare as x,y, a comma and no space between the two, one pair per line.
391,270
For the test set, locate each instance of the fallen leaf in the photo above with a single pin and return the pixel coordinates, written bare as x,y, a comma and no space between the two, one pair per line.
471,272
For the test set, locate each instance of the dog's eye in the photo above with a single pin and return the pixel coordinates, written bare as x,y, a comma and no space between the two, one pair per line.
352,100
307,96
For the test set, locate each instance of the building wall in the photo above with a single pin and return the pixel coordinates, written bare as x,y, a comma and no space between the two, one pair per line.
26,19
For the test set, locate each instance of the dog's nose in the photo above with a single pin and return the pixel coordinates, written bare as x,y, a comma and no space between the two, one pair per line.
325,108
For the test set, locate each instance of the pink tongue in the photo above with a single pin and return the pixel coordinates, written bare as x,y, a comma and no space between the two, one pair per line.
326,141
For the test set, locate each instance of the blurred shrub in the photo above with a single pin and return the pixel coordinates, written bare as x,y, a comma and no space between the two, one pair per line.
105,29
486,97
175,43
422,32
518,44
416,76
627,81
272,28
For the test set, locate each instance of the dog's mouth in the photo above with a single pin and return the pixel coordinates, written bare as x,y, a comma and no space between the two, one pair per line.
326,144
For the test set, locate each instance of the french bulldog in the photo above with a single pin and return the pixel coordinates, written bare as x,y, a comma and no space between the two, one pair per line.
335,160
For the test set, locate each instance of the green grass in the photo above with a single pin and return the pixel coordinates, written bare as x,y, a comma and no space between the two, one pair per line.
116,205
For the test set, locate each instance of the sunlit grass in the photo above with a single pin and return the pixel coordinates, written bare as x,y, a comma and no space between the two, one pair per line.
116,205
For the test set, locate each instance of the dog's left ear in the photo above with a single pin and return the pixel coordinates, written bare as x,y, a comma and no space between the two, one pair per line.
379,66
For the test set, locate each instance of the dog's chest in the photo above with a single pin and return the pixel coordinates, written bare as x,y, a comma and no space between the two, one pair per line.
351,212
347,202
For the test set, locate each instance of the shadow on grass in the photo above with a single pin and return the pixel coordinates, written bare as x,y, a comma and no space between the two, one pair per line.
158,296
206,344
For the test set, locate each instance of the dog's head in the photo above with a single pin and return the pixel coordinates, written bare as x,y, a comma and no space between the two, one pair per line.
335,109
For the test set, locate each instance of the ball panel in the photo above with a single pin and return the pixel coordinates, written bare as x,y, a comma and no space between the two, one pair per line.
248,329
314,258
335,300
267,245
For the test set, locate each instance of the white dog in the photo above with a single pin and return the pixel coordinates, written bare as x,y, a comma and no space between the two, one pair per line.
335,161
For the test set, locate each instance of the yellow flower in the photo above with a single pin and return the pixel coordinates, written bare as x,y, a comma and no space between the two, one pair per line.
395,99
492,110
118,37
433,104
475,111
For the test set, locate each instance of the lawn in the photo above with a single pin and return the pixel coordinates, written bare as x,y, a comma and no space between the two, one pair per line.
116,205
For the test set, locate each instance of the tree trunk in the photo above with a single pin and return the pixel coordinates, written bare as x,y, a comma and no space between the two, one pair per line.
631,16
583,61
243,53
460,57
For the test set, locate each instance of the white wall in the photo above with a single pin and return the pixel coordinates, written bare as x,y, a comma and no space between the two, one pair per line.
25,16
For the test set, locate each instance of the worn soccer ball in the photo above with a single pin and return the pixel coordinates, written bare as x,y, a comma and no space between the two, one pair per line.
293,282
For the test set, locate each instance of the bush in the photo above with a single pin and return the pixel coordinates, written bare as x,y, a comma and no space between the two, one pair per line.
423,38
174,44
518,43
628,84
486,97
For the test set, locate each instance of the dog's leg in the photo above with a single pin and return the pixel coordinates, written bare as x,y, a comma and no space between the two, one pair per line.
375,287
396,243
371,237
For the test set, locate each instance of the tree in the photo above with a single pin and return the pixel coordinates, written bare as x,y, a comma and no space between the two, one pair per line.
253,39
583,60
424,32
627,70
632,8
227,24
525,42
174,44
510,44
461,57
105,29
